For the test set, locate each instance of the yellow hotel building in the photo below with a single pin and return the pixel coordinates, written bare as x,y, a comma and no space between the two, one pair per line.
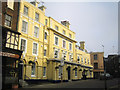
49,47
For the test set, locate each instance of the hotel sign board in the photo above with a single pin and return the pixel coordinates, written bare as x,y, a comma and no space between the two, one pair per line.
11,55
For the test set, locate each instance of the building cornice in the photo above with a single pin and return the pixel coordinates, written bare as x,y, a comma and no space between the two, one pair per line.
62,34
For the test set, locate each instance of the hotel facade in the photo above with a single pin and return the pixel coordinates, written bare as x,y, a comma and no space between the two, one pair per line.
49,47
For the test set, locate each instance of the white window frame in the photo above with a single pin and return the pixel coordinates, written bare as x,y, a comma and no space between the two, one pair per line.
37,48
33,75
65,43
10,4
44,71
37,31
25,45
26,27
58,40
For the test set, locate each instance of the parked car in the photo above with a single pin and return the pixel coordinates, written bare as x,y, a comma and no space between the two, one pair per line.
108,76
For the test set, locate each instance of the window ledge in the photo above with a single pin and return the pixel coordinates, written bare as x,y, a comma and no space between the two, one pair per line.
44,76
33,76
75,76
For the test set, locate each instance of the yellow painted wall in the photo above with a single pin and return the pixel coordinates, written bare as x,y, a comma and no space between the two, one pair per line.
41,61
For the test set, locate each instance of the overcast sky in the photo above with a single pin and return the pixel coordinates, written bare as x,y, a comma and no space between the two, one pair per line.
96,23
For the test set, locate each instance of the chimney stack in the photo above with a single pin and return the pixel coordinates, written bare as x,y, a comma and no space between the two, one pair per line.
35,3
82,45
65,23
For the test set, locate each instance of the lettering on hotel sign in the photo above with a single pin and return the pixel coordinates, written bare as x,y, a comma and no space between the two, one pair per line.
6,54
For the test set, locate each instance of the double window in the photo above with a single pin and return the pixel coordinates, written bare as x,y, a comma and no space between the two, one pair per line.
25,10
35,47
23,45
36,16
8,20
24,26
36,32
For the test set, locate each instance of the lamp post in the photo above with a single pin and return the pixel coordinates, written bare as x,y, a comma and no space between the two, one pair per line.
104,68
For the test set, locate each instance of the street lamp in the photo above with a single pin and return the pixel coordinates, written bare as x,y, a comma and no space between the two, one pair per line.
104,68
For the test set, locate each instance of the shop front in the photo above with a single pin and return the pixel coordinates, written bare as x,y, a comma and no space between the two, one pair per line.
9,67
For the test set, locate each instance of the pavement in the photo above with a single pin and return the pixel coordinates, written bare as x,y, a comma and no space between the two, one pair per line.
89,83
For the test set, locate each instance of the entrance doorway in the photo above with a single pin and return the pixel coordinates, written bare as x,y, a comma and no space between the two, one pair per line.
69,72
20,66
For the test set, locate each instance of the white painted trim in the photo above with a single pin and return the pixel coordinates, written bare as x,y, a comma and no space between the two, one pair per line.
34,31
37,48
31,19
45,47
33,76
26,26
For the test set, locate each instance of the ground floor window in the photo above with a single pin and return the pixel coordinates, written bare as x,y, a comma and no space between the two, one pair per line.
33,69
60,71
44,71
75,72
